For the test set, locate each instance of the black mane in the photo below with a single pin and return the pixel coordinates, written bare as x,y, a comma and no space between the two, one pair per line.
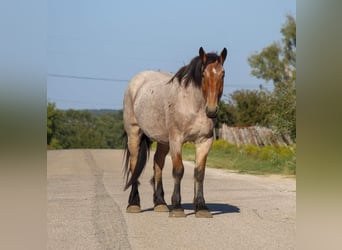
193,71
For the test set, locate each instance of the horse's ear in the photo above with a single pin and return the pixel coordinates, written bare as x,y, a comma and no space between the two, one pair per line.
223,55
203,55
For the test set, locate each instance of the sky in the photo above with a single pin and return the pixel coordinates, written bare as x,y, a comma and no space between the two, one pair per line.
96,47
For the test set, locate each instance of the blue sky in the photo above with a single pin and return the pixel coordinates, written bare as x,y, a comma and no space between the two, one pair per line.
96,47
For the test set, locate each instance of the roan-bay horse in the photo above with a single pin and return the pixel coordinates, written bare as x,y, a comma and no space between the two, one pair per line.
171,110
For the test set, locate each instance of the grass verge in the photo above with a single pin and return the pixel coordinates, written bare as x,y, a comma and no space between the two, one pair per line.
248,159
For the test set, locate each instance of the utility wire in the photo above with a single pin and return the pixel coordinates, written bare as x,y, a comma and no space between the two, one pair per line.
89,78
125,80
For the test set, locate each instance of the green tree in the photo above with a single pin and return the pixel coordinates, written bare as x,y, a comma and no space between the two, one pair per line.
111,127
52,116
224,115
250,107
51,113
84,129
78,129
277,63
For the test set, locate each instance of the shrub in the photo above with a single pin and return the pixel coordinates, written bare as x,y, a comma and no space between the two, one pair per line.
252,150
266,153
222,145
54,144
188,145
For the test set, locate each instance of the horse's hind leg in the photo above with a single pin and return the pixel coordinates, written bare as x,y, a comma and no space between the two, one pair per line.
158,164
133,142
202,150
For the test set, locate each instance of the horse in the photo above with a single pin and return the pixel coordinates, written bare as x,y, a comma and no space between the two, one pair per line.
171,110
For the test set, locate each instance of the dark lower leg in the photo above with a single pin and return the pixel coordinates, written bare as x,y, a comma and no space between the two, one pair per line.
202,150
158,195
176,196
199,202
134,198
177,172
159,160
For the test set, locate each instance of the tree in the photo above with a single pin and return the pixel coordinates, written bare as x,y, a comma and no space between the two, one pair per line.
84,129
51,112
78,129
52,116
277,63
251,108
224,115
111,127
245,108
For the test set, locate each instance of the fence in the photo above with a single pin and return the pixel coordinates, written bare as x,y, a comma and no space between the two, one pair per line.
255,135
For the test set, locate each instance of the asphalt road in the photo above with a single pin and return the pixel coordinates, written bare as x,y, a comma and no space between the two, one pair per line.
86,208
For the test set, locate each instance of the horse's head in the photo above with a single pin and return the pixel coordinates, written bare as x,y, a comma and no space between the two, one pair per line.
212,81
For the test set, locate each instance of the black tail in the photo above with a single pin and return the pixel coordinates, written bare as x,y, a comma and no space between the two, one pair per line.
144,153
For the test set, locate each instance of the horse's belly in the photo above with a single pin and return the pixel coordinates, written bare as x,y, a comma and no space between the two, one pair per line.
151,120
149,108
154,128
162,138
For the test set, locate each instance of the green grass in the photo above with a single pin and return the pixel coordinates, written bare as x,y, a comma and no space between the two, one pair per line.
248,159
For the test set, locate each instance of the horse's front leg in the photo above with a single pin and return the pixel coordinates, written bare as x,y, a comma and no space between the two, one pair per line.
202,150
177,173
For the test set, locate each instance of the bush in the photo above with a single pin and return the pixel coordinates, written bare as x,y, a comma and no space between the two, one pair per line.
54,144
188,145
252,150
266,153
223,146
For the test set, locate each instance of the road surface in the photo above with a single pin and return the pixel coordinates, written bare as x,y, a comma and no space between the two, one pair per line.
86,207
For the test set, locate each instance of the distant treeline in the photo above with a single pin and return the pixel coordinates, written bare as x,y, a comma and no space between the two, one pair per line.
84,128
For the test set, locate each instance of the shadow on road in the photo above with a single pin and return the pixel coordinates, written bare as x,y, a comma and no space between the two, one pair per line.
215,208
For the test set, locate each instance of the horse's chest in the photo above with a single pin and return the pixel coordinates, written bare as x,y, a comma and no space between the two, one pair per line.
199,129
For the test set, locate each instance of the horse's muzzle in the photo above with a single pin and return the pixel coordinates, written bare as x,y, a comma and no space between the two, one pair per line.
211,112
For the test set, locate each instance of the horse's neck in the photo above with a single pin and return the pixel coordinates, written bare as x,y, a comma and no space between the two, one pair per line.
193,97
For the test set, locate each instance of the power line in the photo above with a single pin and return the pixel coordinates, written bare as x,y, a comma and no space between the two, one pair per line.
125,80
89,78
66,101
246,86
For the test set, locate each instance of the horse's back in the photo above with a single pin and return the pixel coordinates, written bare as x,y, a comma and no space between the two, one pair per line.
147,78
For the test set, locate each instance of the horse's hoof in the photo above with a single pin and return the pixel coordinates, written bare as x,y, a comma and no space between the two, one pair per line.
133,209
203,214
178,212
161,208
